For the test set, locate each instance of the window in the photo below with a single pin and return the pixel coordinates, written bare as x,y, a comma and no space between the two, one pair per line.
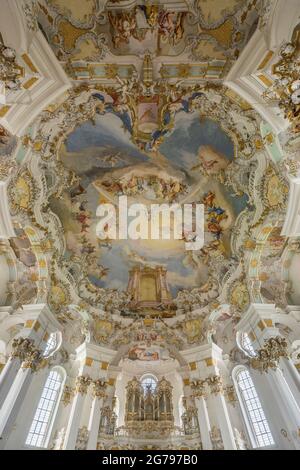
50,345
246,345
149,383
260,431
40,426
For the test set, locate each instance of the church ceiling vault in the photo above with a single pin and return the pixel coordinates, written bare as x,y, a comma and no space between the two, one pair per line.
149,117
97,42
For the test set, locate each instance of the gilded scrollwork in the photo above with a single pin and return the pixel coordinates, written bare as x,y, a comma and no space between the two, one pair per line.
215,384
10,70
82,384
268,356
99,387
34,360
199,388
21,347
286,88
68,395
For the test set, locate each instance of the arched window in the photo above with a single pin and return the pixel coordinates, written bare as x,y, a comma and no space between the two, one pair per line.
43,418
246,345
149,382
51,344
253,412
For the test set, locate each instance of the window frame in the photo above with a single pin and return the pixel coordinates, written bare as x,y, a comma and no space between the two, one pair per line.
57,339
49,427
245,411
150,376
240,342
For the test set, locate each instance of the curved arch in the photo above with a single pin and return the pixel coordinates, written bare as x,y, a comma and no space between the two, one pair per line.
245,344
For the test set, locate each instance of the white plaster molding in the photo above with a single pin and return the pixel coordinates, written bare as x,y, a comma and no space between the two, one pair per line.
199,353
291,226
283,19
239,79
53,80
279,29
43,314
255,313
6,226
95,352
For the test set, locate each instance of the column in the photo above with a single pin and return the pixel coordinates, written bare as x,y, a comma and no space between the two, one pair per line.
198,387
82,384
21,346
267,362
7,377
99,387
291,375
14,400
38,319
216,389
286,403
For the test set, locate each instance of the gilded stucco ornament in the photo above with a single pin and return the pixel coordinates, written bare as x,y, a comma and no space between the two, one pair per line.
21,347
22,192
215,384
99,387
239,296
30,9
268,357
82,438
198,388
275,189
230,394
34,360
285,90
68,395
216,438
193,329
102,329
10,71
82,384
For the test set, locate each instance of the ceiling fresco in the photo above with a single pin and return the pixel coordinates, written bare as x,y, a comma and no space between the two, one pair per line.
147,116
109,165
212,34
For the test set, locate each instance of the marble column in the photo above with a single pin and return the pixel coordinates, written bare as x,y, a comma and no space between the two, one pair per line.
82,384
99,387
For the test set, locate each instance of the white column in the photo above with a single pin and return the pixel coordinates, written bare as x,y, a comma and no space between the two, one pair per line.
279,406
82,383
287,403
217,400
204,424
223,419
99,387
13,403
291,375
94,423
8,376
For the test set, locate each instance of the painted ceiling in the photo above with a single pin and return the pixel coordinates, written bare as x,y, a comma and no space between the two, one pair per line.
85,36
108,164
148,116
